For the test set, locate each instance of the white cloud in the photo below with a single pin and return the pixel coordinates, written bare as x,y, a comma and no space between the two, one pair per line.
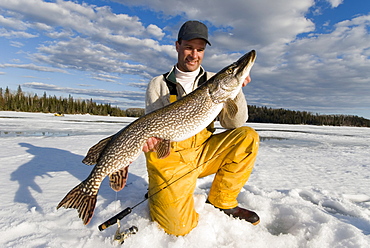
82,54
82,18
335,3
130,95
89,38
251,22
16,44
64,34
240,25
328,70
32,67
16,34
155,31
13,23
106,78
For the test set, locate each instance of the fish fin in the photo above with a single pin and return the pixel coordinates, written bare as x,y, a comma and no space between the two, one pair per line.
94,152
118,179
81,200
231,108
163,148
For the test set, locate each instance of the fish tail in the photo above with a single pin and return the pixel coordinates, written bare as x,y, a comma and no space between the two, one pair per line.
81,199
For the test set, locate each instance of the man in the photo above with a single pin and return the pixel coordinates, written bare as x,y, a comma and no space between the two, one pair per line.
230,154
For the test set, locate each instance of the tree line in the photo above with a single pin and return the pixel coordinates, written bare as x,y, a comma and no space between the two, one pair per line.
20,101
284,116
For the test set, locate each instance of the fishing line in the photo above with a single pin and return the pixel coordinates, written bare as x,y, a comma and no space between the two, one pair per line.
128,210
115,205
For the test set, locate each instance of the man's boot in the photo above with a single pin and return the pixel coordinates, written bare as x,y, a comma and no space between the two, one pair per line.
241,213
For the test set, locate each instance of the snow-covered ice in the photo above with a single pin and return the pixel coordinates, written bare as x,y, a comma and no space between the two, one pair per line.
310,186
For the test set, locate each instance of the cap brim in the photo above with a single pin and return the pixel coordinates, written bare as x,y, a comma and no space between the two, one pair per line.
195,36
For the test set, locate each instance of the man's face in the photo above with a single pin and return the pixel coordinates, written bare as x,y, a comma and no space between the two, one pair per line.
190,54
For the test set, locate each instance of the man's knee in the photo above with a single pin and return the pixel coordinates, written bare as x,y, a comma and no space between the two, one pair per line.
249,137
174,220
248,131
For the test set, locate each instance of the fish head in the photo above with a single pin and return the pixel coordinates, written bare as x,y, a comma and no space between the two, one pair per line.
227,82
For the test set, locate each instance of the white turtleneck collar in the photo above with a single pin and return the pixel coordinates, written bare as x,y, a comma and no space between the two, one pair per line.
186,79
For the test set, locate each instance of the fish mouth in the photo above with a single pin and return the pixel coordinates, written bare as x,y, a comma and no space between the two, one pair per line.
245,63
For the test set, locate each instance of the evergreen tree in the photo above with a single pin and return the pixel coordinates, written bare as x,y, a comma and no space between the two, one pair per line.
2,100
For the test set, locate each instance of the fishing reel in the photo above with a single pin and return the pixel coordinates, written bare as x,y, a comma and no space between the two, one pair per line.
121,236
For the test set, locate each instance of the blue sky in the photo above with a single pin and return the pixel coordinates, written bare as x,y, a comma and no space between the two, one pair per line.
312,55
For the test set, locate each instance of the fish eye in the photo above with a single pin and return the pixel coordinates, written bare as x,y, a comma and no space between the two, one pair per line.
229,71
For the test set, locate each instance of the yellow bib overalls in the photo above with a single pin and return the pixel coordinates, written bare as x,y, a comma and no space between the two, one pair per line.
230,154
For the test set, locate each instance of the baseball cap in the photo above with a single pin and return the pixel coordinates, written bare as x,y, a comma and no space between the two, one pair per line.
192,30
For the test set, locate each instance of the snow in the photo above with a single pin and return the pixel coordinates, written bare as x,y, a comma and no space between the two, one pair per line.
310,186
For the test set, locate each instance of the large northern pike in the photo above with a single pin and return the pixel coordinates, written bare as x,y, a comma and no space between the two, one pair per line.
175,122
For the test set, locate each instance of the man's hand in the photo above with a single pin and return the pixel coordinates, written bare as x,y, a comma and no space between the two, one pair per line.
247,81
150,144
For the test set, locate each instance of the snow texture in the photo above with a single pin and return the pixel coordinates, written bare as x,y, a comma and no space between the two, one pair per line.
310,187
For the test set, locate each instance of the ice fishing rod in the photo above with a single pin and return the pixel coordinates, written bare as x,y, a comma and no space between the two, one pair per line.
128,210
